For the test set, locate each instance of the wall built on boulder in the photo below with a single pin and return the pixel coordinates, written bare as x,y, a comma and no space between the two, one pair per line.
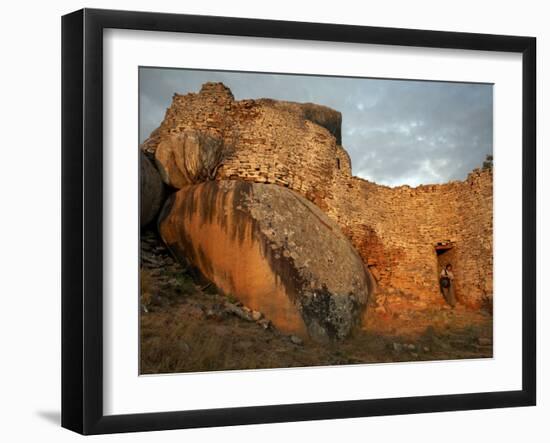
271,141
395,230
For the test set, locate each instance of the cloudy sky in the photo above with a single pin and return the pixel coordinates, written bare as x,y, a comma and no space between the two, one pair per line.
396,131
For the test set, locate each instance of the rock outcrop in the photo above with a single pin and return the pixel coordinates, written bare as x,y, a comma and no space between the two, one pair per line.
211,136
272,249
151,191
395,230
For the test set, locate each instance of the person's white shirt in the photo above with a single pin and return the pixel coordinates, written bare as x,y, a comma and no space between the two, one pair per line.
447,273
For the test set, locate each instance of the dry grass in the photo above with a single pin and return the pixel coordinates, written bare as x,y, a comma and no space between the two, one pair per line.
146,287
179,346
182,339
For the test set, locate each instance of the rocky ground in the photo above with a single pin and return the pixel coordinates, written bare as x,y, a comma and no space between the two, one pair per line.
188,328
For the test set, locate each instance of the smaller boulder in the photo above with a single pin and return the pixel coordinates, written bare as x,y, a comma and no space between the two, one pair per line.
151,190
189,157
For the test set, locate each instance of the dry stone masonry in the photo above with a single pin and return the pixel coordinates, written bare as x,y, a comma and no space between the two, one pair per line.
397,231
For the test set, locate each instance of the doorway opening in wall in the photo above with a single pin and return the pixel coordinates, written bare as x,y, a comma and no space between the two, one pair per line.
445,254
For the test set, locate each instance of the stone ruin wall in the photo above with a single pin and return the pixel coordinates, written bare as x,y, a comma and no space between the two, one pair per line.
272,142
475,237
394,229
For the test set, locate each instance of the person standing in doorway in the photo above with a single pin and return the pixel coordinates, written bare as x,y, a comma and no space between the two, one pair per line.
447,285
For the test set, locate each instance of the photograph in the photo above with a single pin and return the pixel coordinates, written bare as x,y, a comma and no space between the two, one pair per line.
300,220
275,222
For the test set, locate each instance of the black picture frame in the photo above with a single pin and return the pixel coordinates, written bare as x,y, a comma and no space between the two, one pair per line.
82,218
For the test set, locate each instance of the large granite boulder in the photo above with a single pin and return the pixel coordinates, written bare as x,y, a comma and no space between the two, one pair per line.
151,190
273,250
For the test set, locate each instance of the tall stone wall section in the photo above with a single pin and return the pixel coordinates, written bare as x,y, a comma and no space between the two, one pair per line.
395,230
475,238
271,141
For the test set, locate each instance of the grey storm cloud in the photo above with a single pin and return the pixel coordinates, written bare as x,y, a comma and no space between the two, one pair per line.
396,131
